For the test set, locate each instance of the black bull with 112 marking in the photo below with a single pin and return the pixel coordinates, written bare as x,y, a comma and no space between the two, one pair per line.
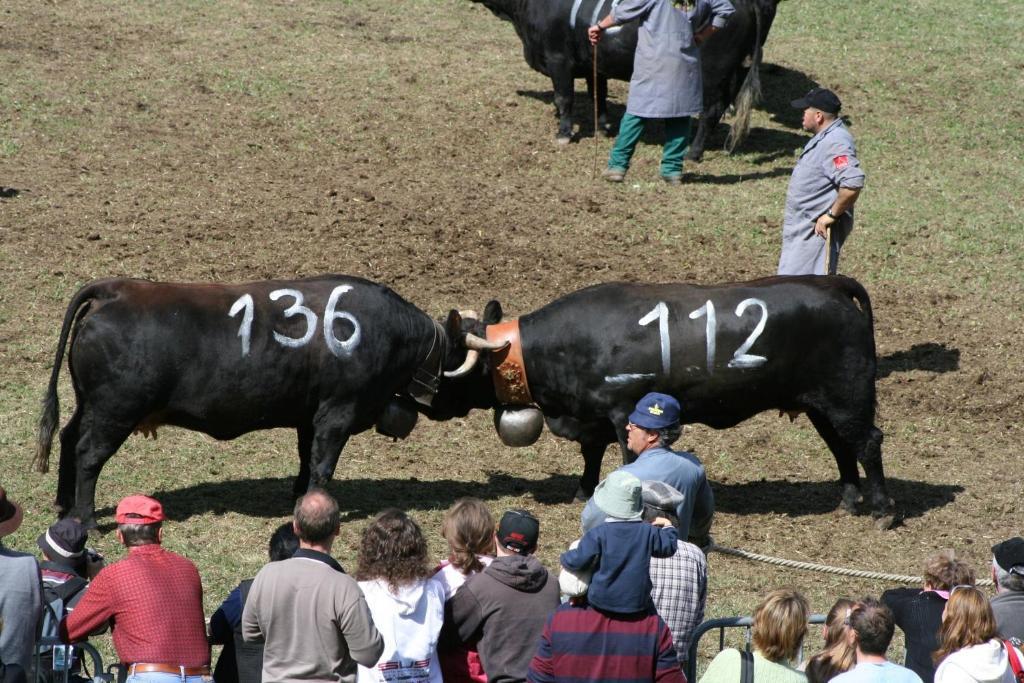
728,352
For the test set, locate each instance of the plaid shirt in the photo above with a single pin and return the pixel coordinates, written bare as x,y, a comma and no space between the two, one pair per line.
680,588
155,599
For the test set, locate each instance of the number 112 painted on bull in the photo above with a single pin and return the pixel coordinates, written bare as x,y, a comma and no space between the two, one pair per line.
740,358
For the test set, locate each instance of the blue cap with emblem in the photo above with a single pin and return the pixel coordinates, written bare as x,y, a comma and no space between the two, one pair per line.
656,411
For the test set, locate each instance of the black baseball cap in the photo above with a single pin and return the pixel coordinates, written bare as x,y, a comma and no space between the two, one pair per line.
518,531
1009,555
819,98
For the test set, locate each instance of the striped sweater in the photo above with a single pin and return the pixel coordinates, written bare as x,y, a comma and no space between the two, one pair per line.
581,643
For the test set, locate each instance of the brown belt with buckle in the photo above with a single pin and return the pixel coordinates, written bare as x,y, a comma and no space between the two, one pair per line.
169,669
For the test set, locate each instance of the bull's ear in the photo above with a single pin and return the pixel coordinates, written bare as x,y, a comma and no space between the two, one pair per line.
453,325
492,312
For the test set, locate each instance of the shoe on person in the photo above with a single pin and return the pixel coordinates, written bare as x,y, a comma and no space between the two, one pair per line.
673,179
613,175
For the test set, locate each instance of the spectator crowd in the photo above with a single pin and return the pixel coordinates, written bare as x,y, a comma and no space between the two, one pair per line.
623,606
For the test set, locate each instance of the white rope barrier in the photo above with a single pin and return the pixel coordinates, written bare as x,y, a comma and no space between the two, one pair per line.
814,567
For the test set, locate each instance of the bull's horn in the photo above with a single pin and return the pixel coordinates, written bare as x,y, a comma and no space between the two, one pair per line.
472,357
480,344
469,313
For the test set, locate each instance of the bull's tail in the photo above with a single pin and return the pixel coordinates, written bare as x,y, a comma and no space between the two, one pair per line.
858,294
51,406
750,92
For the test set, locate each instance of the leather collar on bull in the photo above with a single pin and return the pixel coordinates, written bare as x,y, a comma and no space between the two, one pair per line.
507,366
517,421
427,377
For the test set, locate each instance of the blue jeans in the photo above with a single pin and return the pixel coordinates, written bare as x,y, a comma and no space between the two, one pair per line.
159,677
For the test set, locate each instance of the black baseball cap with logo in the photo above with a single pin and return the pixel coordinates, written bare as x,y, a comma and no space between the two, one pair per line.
819,98
519,531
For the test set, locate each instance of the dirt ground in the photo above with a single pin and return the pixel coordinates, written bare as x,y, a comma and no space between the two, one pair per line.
412,145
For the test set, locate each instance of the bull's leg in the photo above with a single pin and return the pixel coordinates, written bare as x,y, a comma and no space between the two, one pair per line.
696,151
846,460
305,438
593,454
331,429
100,437
563,85
602,106
870,456
69,437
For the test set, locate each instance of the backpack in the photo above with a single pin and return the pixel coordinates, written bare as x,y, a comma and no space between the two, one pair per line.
58,596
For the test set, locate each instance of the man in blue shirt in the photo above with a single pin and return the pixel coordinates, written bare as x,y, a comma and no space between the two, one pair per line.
871,628
652,429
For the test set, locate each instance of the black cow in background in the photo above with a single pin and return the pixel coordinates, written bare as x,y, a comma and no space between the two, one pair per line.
328,356
727,352
554,36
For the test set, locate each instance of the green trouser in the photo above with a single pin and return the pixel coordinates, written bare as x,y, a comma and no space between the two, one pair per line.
677,139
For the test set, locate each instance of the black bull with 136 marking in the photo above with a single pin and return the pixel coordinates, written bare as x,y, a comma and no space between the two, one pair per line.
328,356
728,352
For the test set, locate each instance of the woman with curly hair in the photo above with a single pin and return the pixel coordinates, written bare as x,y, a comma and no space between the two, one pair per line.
406,604
839,654
469,529
918,611
969,649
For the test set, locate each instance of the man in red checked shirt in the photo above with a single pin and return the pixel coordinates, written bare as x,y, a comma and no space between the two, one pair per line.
154,599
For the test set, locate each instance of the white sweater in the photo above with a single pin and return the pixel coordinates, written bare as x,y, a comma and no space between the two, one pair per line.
984,663
410,623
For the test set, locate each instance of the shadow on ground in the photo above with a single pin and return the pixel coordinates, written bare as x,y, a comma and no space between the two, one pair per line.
357,498
930,356
801,499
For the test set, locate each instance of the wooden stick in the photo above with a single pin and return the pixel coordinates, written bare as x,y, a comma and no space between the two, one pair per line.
593,169
828,249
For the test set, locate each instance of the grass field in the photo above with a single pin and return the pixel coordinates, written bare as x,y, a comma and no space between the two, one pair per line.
409,143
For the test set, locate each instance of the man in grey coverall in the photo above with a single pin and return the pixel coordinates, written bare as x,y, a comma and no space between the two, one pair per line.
822,191
666,81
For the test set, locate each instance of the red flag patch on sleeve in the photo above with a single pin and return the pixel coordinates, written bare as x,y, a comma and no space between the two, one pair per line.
841,162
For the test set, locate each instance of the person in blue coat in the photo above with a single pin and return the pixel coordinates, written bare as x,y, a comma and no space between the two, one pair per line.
652,429
666,81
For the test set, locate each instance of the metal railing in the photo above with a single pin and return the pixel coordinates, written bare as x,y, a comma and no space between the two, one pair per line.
722,624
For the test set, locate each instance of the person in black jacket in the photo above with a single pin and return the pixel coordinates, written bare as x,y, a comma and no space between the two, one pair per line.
918,611
239,661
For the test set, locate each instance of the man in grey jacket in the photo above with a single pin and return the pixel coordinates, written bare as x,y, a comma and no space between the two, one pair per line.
310,616
666,81
20,592
1008,575
503,608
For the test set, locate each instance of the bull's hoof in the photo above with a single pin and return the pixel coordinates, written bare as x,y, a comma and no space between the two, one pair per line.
851,498
887,521
580,495
695,157
563,140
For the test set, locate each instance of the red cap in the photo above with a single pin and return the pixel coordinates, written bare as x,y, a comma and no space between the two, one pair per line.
139,509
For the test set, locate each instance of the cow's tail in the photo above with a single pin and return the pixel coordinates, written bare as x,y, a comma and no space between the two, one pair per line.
51,406
856,291
750,92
